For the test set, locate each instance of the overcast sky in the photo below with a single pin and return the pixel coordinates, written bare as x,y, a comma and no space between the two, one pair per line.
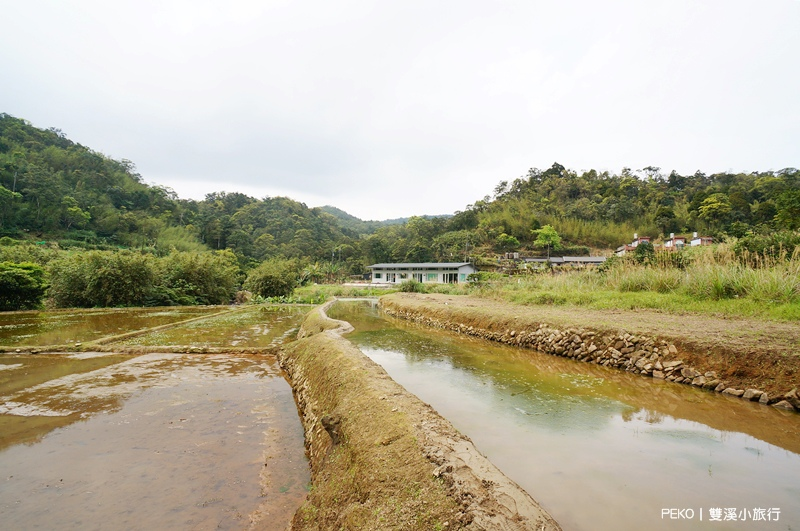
389,109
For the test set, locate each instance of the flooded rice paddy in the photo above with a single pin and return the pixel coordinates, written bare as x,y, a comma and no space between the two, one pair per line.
65,327
153,441
600,449
257,326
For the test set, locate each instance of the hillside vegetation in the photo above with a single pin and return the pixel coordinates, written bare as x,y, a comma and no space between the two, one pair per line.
59,198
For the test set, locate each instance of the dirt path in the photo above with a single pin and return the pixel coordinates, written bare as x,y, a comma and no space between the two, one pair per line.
746,353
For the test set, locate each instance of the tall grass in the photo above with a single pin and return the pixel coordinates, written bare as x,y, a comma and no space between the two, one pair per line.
710,280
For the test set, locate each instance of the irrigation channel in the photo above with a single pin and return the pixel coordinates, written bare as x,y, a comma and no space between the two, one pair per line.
150,440
600,449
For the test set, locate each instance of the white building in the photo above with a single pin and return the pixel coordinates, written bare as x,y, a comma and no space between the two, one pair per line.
440,273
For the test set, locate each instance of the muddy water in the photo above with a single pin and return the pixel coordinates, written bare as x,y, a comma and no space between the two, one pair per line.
598,448
258,326
69,326
156,441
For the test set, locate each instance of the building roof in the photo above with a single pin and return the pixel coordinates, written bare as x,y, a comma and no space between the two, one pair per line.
426,265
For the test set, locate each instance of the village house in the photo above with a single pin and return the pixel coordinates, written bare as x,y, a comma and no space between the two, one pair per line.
674,243
622,249
433,272
701,240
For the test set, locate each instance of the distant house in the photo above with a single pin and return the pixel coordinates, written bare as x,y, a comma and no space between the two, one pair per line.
674,242
622,249
428,272
701,240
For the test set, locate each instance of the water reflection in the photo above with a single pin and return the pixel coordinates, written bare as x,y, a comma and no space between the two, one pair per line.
257,326
72,326
588,441
166,441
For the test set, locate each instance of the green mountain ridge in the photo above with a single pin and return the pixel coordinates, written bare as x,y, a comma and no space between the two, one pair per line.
53,189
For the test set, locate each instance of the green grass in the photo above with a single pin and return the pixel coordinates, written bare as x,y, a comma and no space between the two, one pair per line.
708,282
319,293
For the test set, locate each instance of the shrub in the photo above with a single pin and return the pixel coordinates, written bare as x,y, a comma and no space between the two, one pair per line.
273,278
774,245
22,286
412,286
102,279
197,278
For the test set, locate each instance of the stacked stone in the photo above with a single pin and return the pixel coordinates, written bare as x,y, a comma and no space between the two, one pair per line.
636,354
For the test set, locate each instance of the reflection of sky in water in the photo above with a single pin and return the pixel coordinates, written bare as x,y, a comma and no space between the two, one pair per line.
60,327
596,451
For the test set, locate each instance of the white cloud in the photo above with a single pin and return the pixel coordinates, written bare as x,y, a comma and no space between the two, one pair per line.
394,109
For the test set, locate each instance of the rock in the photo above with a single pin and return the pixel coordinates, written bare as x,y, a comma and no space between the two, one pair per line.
710,374
784,404
699,381
752,394
658,374
733,392
793,398
711,384
686,372
764,398
672,349
591,348
658,366
719,388
332,424
672,364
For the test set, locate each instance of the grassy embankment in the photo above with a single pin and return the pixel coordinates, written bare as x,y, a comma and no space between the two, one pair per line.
380,458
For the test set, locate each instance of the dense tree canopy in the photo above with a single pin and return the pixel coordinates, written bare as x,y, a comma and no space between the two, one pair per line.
57,195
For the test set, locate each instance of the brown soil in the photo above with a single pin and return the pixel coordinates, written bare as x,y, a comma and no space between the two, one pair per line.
745,353
381,458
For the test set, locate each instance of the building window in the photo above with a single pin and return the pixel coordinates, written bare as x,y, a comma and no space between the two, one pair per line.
462,277
418,277
403,276
432,277
377,276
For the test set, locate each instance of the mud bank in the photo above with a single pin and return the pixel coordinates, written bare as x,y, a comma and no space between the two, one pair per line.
383,459
653,356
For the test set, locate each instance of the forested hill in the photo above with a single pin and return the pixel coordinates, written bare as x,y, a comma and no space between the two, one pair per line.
602,209
360,226
57,190
52,189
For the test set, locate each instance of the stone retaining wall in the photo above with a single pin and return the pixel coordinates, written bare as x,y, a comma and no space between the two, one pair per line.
647,356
